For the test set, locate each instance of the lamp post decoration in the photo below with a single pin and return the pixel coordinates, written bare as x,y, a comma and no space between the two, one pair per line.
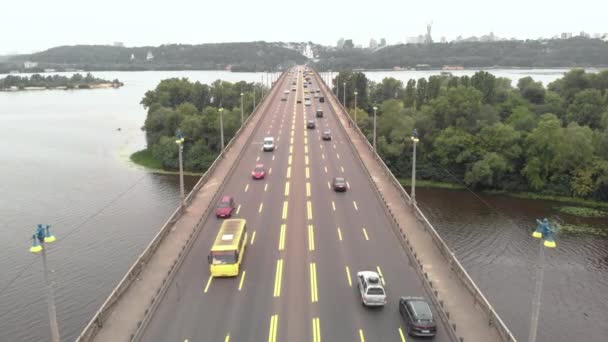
222,127
41,236
375,109
546,233
344,93
179,140
242,115
356,124
415,140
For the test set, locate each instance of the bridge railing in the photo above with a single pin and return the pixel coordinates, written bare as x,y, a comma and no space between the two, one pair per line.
97,322
491,314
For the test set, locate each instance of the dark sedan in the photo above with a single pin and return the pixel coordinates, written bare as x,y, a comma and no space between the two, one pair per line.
418,317
310,124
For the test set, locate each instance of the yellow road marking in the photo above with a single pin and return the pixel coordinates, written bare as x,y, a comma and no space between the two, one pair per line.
265,187
288,171
322,156
305,148
270,171
325,167
361,337
285,207
242,280
305,138
290,149
381,276
342,169
246,187
311,238
307,173
252,237
365,234
314,297
334,145
238,209
307,189
292,130
282,238
227,338
286,188
309,210
289,159
274,325
401,335
355,204
316,330
333,205
258,158
272,157
277,278
306,160
208,283
291,140
339,234
261,207
338,155
350,282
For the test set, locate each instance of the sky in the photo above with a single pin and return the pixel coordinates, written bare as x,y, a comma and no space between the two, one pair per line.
36,25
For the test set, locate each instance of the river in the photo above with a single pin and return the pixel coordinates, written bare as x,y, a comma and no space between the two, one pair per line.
63,162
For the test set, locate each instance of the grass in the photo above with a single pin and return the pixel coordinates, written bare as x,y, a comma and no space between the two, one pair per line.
582,211
406,182
583,229
146,159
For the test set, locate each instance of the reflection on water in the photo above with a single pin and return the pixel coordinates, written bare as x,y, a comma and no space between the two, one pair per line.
491,237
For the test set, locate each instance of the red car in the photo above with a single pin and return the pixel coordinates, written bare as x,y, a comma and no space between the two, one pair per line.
225,207
259,172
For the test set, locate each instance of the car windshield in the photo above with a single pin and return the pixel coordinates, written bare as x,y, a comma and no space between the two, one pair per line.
258,169
376,291
339,180
224,205
421,310
327,132
223,257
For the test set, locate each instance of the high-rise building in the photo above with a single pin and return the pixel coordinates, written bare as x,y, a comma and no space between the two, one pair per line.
566,35
382,42
119,44
428,39
340,43
373,44
348,44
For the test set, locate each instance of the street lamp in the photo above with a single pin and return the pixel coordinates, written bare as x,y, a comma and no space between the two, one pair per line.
375,109
415,139
344,94
546,234
356,124
40,237
222,127
180,147
242,109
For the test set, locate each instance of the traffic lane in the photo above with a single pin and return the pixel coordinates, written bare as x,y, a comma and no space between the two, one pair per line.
193,274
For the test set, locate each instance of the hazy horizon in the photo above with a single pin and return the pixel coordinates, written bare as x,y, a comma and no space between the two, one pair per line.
139,23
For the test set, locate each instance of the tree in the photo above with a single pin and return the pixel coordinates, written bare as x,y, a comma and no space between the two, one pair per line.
389,88
486,84
421,92
409,99
433,87
542,149
522,119
531,91
457,107
587,108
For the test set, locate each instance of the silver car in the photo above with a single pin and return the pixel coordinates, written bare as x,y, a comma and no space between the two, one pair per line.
371,288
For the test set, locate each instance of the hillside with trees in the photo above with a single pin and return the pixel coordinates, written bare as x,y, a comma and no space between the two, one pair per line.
487,134
250,56
574,52
193,108
76,81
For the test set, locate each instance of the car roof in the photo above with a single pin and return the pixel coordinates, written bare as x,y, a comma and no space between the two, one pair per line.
259,165
226,199
268,138
421,309
341,179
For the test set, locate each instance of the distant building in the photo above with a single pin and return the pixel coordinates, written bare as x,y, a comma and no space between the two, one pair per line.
584,34
605,37
29,65
119,44
149,56
340,44
373,44
423,67
348,44
382,42
49,70
132,57
415,40
566,35
443,40
428,39
307,51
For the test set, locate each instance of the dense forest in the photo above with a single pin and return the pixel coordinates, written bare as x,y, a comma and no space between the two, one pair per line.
250,56
574,52
490,135
76,81
193,108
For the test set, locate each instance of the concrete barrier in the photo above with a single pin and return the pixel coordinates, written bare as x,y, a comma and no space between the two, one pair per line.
492,317
97,322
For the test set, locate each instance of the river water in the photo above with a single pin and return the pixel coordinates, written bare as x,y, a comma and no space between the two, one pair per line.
63,162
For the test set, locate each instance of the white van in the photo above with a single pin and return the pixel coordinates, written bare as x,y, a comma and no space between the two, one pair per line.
269,144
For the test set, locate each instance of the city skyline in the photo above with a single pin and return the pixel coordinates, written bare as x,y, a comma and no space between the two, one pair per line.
69,22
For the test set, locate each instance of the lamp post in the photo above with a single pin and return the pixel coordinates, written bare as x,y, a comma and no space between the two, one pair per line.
414,139
180,147
253,97
375,109
222,127
546,234
356,124
242,110
40,237
344,94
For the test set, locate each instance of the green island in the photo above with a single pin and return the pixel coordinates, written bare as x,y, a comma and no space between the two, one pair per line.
192,108
41,82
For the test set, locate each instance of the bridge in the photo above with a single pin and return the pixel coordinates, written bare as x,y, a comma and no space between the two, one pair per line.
305,245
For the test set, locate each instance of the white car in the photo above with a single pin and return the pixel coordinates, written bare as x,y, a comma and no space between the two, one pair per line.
268,144
371,289
307,103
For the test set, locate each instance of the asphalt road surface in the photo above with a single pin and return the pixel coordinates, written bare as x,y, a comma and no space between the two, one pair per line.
306,244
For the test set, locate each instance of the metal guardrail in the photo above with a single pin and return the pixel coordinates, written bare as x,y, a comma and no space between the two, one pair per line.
96,323
493,318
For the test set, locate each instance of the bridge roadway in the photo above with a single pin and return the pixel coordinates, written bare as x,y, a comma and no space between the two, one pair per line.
306,243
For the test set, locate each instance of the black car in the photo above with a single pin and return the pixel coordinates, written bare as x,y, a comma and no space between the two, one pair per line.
310,124
321,99
299,101
339,184
326,135
319,113
419,320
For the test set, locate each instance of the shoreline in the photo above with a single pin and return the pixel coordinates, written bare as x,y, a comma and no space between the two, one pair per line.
144,159
108,85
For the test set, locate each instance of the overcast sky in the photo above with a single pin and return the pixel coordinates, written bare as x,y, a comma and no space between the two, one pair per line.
28,26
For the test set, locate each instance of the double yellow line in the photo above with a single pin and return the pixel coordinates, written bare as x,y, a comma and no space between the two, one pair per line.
277,278
314,296
316,330
274,326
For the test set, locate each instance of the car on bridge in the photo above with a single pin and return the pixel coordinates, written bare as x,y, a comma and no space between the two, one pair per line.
259,172
225,207
319,113
339,184
321,99
310,124
371,289
268,144
418,317
307,103
326,134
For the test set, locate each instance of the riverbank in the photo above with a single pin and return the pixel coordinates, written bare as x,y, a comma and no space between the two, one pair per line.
82,86
145,159
577,211
56,82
